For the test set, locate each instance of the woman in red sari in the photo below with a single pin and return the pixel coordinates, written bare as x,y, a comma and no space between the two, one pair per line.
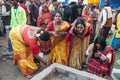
44,17
102,59
86,14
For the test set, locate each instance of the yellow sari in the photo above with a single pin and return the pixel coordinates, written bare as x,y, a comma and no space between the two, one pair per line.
59,51
22,54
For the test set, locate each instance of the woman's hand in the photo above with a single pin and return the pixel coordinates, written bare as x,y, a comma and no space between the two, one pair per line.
56,34
98,54
45,62
71,30
73,26
48,63
46,21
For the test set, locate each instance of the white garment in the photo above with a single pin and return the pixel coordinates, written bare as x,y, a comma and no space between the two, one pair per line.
105,14
41,54
69,1
27,3
4,11
40,9
89,51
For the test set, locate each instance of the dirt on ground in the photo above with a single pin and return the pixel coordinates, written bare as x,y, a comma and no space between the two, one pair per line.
9,71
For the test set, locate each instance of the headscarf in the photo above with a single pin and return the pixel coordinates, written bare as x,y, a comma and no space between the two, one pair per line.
45,6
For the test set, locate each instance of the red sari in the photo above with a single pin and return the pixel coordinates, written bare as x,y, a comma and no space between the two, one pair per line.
97,66
87,17
43,19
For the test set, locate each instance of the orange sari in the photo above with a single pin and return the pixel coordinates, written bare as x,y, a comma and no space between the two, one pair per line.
23,56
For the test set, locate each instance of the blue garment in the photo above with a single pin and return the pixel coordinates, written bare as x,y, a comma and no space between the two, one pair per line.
113,3
116,42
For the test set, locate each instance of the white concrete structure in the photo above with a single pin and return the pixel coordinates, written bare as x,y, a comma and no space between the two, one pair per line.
50,69
115,71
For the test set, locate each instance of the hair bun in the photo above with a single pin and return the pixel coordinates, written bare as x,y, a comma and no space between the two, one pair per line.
44,35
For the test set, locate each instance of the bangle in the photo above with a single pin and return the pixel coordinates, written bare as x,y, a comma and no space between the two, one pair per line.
103,57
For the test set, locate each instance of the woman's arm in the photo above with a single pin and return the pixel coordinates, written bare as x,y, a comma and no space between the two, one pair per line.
106,58
89,51
40,59
35,50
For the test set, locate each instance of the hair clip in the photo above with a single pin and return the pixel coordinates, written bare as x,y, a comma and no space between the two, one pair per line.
37,35
41,32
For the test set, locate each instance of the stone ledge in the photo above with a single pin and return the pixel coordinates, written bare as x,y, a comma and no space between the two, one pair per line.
62,68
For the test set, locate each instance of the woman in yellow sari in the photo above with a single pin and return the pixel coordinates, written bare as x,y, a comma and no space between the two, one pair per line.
24,42
58,28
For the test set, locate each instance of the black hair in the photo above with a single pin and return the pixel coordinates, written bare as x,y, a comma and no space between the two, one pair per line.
72,3
54,0
93,7
100,40
21,1
106,3
44,35
78,21
55,12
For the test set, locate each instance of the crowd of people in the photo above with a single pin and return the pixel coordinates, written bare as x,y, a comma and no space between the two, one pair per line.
69,34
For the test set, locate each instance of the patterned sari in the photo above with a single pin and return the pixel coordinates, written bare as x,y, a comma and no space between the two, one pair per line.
59,50
23,56
97,66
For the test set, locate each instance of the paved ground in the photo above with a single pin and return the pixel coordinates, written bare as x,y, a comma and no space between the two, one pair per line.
10,72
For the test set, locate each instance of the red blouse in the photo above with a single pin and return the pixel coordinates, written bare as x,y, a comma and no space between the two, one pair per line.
50,26
43,19
69,35
32,43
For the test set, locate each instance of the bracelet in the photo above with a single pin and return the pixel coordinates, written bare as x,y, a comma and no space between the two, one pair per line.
103,57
